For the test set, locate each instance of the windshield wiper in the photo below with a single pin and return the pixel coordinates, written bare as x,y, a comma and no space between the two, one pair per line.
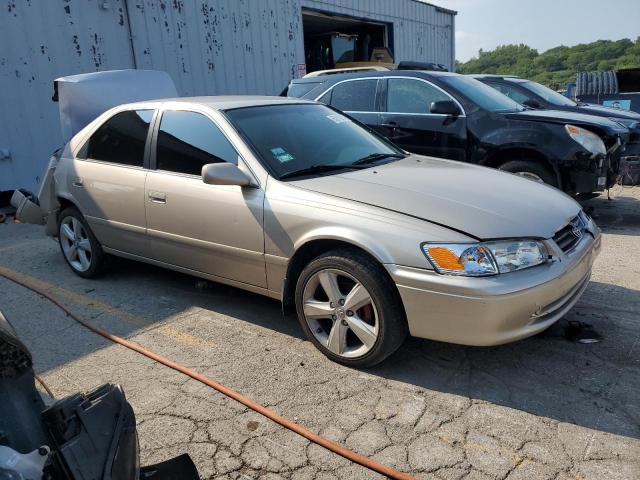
322,168
374,157
357,165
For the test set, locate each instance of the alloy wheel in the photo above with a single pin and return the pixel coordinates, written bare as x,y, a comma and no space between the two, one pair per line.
340,313
75,242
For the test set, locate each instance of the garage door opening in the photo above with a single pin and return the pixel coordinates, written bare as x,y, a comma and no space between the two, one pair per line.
337,39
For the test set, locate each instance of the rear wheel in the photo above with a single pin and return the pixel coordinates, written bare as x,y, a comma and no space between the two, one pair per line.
350,309
530,170
79,246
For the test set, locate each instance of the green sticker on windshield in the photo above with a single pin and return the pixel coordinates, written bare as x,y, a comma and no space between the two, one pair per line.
282,155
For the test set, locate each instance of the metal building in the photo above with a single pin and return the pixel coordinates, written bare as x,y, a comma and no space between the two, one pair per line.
207,46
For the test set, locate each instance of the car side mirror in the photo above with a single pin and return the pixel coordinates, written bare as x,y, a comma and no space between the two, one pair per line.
531,103
445,107
225,174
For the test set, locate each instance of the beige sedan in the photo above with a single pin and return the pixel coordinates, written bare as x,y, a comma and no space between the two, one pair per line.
296,201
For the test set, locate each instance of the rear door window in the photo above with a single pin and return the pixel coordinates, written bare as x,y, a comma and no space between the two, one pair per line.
405,95
121,139
189,140
355,96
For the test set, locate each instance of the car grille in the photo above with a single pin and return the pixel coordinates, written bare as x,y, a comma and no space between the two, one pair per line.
569,236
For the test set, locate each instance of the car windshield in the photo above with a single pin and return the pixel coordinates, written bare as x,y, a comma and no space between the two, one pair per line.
482,95
549,95
309,139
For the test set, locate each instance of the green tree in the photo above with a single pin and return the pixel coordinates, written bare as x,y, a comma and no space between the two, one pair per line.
557,66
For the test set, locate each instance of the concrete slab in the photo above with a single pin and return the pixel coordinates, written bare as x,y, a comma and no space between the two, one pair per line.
541,408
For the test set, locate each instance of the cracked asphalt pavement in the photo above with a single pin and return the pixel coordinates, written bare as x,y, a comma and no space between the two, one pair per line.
542,408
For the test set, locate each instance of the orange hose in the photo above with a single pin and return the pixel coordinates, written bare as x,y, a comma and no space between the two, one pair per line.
299,429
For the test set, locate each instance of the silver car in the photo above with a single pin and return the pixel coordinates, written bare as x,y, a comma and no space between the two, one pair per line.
296,201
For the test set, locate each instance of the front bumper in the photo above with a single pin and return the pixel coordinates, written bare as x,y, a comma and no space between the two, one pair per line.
499,309
589,175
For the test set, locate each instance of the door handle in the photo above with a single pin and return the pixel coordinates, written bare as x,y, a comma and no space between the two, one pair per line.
158,197
389,125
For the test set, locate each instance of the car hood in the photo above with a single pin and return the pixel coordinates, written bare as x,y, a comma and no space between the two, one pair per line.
561,116
610,112
478,201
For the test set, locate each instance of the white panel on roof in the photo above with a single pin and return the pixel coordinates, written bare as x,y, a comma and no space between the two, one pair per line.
82,98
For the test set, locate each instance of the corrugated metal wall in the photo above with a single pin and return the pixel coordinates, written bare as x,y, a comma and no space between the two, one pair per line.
219,46
40,41
207,46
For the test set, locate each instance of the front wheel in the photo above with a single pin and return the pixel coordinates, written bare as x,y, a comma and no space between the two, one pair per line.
350,309
531,171
79,246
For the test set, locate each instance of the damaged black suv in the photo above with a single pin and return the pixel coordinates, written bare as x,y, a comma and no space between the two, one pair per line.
539,97
453,116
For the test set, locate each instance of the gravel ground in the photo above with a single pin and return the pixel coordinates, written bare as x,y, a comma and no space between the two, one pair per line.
542,408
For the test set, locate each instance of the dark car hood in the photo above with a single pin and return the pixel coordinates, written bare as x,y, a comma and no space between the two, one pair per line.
478,201
610,112
564,117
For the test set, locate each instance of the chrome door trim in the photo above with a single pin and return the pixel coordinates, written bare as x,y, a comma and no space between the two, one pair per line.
104,162
404,77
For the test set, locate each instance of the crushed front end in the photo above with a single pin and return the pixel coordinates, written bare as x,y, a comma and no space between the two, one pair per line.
585,172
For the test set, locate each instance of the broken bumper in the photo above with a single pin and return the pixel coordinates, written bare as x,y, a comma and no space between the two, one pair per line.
498,309
43,209
589,175
27,211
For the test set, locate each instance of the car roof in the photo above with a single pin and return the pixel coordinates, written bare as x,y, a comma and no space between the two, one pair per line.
222,102
511,78
334,78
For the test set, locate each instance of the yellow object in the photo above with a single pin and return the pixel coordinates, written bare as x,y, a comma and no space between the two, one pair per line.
445,258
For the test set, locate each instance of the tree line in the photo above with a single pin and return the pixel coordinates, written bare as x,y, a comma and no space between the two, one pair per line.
558,66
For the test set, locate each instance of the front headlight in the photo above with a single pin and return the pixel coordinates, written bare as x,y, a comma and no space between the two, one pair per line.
482,259
589,140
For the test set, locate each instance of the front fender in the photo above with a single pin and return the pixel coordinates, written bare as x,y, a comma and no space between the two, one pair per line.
293,217
541,142
347,235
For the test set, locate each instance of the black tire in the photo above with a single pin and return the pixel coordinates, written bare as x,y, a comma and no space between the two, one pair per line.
530,167
391,319
97,257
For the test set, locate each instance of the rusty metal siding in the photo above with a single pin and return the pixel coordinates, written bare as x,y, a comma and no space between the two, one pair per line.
219,47
208,47
39,41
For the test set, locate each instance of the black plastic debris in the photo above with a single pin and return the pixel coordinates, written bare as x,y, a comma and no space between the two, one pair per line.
580,332
179,467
